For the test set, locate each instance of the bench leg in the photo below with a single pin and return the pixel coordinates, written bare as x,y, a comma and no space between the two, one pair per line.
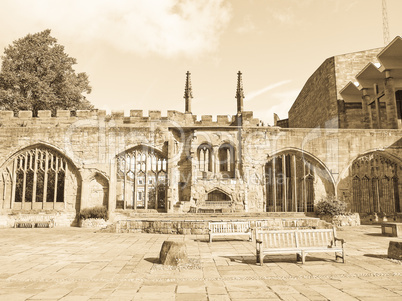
298,257
340,256
210,237
303,255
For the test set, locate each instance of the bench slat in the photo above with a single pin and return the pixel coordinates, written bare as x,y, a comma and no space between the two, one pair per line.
300,242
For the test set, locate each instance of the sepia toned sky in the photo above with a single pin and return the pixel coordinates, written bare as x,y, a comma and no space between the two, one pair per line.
136,53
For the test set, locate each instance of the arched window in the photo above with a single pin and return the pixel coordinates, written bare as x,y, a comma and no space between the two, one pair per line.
205,157
226,156
38,179
291,179
379,184
141,179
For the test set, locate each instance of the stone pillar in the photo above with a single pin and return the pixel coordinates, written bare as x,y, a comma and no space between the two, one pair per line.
146,182
215,161
274,182
45,179
35,179
390,100
112,188
14,183
294,182
171,173
285,184
84,188
365,110
304,187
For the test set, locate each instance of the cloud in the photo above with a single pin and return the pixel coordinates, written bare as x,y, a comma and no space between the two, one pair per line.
282,102
164,27
247,26
254,94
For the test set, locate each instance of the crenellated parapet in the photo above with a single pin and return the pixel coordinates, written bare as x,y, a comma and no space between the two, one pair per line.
135,117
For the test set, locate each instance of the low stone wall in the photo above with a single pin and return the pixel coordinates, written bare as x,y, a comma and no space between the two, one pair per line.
342,220
59,219
201,226
378,218
93,223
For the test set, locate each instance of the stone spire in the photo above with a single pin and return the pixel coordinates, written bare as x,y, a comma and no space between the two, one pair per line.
188,92
239,93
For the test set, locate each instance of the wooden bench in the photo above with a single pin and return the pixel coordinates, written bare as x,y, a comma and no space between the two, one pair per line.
299,242
229,228
34,221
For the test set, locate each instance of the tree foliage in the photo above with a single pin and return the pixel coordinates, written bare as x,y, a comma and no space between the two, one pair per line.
36,74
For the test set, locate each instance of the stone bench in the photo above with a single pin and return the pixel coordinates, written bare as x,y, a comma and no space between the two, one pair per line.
391,229
299,242
34,221
229,228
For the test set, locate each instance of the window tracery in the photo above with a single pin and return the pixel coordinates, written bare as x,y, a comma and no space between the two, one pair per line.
141,178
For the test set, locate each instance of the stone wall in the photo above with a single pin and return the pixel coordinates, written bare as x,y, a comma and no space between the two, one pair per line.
348,65
91,141
315,105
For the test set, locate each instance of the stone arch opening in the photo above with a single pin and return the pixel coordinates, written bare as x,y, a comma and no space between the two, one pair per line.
218,196
98,191
40,178
141,179
376,184
226,157
205,157
294,181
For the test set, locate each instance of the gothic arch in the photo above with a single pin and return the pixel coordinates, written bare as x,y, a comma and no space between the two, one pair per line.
227,158
218,195
141,178
294,180
98,190
381,187
205,155
41,144
40,177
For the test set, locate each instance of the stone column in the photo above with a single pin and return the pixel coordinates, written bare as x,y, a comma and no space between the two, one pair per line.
285,184
304,187
14,183
112,187
45,179
274,182
171,174
146,182
377,112
84,187
35,179
390,100
215,161
294,182
367,123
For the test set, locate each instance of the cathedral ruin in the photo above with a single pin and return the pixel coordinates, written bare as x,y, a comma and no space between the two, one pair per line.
343,137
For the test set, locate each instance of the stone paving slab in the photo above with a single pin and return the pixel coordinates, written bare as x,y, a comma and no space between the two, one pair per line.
79,264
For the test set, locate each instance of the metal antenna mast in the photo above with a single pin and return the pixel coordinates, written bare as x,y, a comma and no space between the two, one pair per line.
385,27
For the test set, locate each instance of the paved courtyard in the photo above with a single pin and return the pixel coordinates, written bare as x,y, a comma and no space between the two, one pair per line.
79,264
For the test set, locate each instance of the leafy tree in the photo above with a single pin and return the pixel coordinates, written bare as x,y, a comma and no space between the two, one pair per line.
36,74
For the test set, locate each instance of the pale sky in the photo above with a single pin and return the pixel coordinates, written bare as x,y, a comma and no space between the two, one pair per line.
136,53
